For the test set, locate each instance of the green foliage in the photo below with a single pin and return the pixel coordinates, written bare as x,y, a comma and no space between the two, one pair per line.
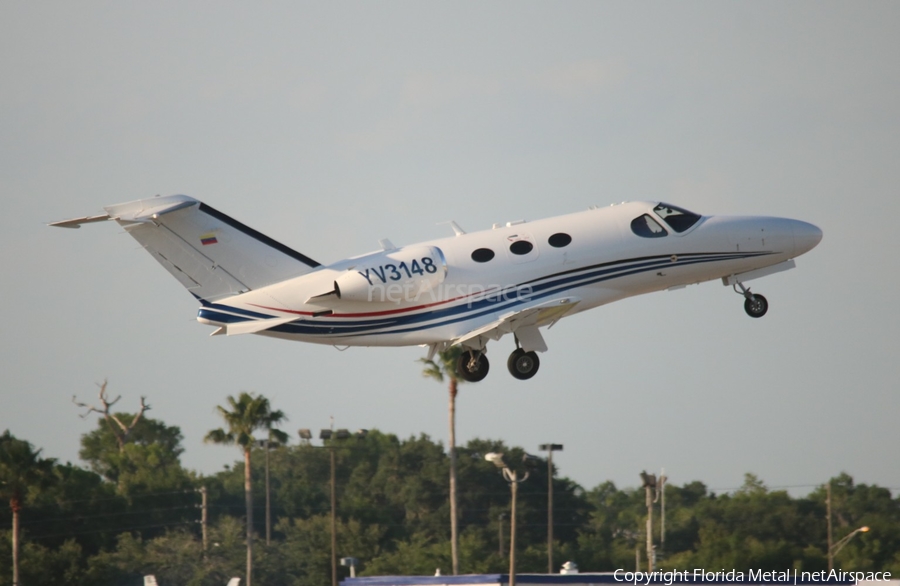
22,470
248,413
393,515
148,461
443,365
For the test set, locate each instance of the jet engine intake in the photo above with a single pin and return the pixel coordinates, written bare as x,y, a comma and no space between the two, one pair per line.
407,274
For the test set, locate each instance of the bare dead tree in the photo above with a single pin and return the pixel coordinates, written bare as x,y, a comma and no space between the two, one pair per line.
118,428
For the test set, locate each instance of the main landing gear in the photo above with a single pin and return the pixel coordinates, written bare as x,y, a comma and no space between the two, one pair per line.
754,304
472,366
523,365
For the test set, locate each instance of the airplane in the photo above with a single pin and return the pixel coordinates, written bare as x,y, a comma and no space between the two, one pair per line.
463,290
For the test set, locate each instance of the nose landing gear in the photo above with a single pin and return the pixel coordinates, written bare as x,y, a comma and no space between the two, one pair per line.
754,304
523,365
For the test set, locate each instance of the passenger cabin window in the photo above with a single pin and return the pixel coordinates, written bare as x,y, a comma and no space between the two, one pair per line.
482,254
677,218
646,227
521,247
559,240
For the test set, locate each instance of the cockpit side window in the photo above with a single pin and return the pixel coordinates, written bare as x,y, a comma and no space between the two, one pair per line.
646,227
677,218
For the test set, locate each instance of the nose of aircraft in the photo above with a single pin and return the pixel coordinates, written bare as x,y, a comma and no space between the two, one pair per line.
806,236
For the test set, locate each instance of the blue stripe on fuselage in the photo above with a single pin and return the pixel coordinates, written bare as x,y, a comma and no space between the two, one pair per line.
510,297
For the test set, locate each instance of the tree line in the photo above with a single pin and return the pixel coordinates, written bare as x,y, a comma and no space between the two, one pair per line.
134,510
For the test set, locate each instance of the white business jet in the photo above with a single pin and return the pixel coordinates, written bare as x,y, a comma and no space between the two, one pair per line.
467,289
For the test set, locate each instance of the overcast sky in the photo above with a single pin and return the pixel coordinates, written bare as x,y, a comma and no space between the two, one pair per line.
330,125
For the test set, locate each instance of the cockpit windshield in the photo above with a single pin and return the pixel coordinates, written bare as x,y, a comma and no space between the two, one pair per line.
646,227
678,219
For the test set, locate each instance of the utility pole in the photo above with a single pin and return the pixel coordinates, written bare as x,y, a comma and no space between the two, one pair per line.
828,517
514,487
550,448
649,488
662,515
204,519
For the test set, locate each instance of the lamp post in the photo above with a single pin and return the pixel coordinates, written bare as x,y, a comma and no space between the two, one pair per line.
266,444
834,549
550,448
513,479
328,436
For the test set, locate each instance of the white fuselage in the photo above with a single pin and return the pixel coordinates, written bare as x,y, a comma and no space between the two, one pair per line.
396,297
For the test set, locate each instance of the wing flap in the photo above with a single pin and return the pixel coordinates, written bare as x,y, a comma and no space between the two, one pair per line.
524,323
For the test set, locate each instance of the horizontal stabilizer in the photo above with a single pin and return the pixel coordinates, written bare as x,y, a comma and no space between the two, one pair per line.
255,326
77,222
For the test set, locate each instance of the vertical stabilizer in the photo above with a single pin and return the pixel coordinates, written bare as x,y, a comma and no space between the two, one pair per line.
211,254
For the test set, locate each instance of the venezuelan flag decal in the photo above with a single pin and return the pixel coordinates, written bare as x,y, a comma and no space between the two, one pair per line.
209,238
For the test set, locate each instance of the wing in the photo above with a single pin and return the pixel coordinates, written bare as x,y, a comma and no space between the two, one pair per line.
523,323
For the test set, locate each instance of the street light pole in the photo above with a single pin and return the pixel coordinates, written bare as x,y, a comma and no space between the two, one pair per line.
264,444
328,436
333,521
833,550
512,478
550,448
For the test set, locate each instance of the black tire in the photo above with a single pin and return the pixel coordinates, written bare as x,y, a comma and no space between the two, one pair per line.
478,370
757,306
523,365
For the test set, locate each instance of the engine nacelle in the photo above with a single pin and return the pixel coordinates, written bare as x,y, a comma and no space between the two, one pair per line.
395,276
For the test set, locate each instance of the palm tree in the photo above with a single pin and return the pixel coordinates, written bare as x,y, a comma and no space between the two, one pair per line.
445,367
20,468
247,414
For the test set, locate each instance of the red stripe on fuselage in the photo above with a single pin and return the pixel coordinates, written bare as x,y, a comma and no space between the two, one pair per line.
374,313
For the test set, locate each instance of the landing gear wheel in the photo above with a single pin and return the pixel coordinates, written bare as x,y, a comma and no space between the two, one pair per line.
523,365
756,305
472,366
